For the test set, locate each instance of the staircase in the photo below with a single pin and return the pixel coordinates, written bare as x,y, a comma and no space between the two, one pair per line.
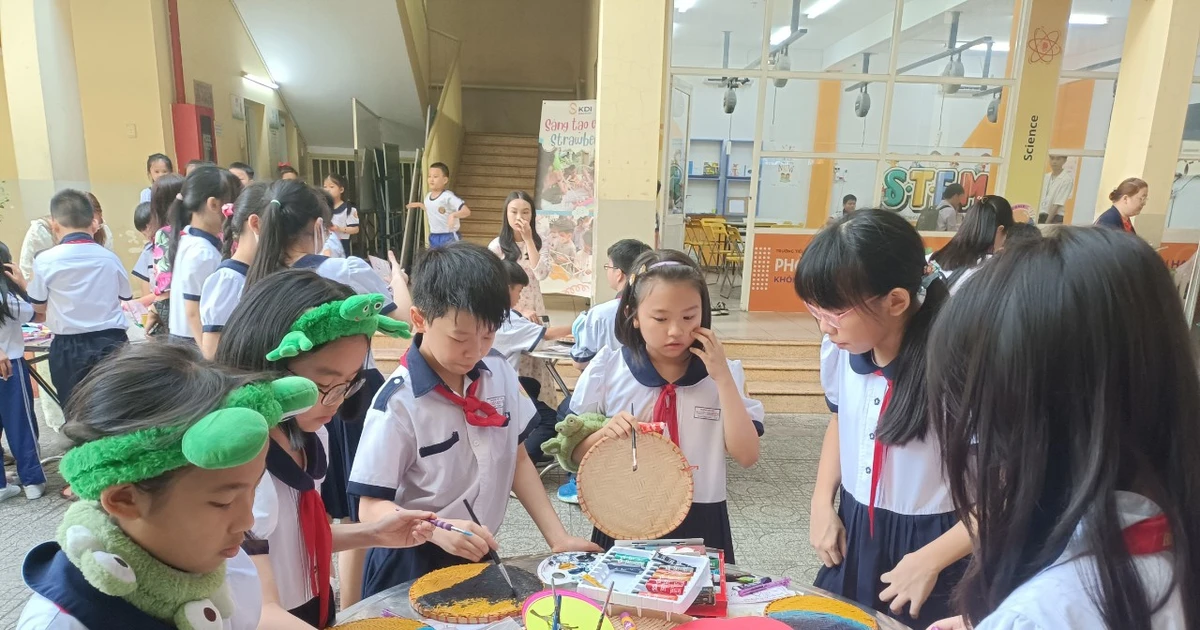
785,376
491,167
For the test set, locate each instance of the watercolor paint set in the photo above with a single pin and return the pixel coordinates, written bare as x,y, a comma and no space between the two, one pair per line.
647,579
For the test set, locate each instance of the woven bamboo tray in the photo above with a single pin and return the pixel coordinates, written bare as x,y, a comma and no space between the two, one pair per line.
629,505
382,623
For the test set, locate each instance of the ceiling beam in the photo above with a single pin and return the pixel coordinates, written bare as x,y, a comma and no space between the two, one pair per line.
916,12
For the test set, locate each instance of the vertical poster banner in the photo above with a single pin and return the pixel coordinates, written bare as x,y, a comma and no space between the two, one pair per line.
565,195
1033,119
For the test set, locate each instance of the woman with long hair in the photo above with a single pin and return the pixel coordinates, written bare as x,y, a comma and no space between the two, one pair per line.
1069,431
981,234
520,242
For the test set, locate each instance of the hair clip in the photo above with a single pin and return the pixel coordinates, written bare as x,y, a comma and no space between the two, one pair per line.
275,201
227,210
665,263
179,196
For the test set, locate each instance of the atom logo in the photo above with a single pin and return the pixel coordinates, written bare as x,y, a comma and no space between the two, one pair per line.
1044,46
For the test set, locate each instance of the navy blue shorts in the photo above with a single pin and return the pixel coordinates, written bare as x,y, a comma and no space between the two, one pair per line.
442,238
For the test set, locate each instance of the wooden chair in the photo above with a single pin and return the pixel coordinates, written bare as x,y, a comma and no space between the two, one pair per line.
735,258
714,246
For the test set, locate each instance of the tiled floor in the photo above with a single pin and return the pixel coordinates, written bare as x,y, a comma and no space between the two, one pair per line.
768,507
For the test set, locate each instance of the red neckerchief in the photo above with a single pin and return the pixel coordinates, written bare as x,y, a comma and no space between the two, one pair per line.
880,453
665,412
477,412
1148,536
1127,224
318,541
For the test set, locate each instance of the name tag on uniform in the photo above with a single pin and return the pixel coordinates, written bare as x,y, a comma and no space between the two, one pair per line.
497,402
708,413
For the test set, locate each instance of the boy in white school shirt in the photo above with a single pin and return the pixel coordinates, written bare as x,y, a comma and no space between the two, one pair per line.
447,426
79,285
443,208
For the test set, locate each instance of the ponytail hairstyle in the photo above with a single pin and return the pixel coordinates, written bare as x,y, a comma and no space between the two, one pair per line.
864,255
340,181
289,213
1064,377
163,195
266,314
206,182
976,238
7,286
159,157
650,269
508,242
1128,188
249,203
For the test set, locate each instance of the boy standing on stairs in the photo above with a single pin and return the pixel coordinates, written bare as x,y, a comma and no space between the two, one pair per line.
443,209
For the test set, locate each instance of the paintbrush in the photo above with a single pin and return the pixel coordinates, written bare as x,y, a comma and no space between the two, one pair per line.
554,620
607,599
495,557
635,432
440,524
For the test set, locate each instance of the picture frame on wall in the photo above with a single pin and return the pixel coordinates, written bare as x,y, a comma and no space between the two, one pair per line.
237,105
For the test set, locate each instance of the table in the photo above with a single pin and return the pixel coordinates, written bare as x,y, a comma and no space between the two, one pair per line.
396,600
551,355
41,352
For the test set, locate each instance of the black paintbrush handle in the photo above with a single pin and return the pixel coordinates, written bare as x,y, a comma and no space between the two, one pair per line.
492,555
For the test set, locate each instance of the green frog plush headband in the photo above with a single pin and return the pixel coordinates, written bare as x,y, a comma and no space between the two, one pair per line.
230,436
355,315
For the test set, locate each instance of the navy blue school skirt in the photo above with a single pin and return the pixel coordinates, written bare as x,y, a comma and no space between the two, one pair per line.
386,568
345,430
709,521
868,557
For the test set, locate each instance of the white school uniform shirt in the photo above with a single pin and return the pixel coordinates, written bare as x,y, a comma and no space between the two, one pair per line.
145,264
144,197
1029,607
241,576
911,482
1056,191
196,258
276,529
334,246
618,380
221,294
517,335
354,273
598,331
12,342
82,285
438,210
418,450
344,216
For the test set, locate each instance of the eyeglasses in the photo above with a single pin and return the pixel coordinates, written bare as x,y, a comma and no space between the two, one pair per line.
611,267
336,394
823,316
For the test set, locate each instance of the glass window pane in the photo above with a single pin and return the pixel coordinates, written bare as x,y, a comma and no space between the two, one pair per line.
699,28
1183,211
799,191
1191,129
823,116
834,36
720,146
1082,206
1083,114
929,31
925,119
1096,36
910,187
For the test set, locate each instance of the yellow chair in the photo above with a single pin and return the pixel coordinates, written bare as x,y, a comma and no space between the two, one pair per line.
693,240
714,246
735,258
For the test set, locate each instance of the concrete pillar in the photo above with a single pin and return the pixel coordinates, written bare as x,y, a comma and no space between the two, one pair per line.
43,101
629,93
1153,90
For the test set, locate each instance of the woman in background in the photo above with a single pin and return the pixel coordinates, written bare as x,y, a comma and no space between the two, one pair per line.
1128,201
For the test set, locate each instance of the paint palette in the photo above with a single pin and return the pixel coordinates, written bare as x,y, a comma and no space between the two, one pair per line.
576,612
566,568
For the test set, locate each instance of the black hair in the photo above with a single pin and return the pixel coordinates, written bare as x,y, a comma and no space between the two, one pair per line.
286,169
952,191
163,195
867,254
1021,233
624,252
976,238
516,275
289,213
245,168
440,165
1084,385
645,275
72,209
99,236
233,183
197,163
463,277
249,203
142,216
848,198
508,243
265,315
340,181
203,184
149,386
159,157
7,286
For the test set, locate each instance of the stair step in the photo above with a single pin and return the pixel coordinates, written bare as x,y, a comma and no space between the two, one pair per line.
501,149
487,159
475,192
481,229
497,170
490,204
500,139
773,403
484,213
467,180
779,351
